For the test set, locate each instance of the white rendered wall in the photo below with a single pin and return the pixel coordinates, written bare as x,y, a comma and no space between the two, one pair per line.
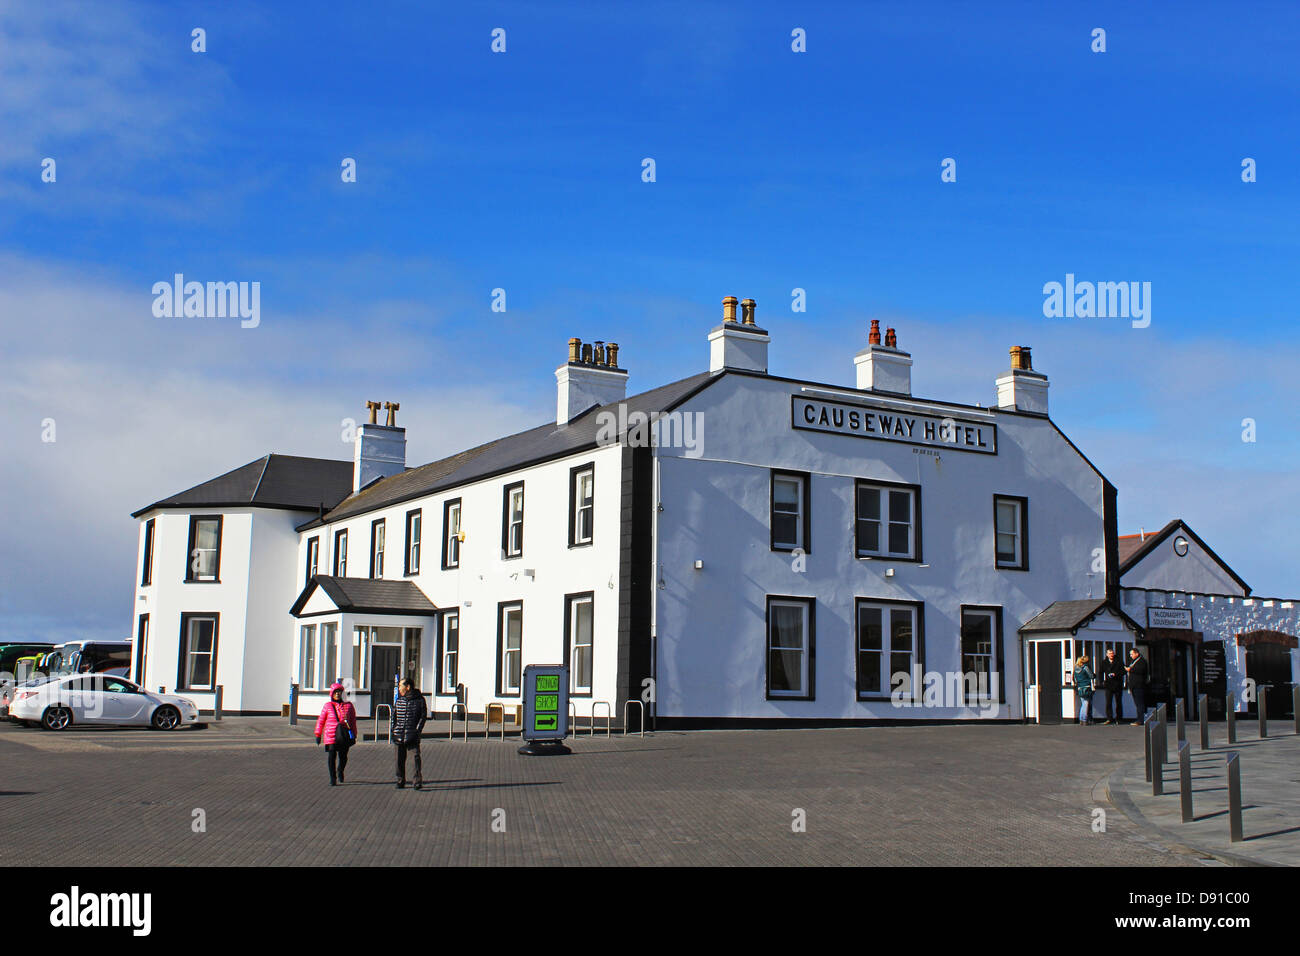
485,578
710,630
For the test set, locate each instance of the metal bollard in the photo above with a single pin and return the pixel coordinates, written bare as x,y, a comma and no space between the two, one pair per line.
1203,708
216,706
1158,754
1162,715
1263,712
1185,779
1180,720
1234,796
293,705
1295,705
1232,717
1146,732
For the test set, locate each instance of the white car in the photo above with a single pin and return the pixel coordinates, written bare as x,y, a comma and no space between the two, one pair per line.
59,703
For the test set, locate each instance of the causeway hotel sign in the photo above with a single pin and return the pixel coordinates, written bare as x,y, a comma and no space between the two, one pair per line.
885,424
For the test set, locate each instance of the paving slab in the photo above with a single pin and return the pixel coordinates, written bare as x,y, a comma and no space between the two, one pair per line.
982,794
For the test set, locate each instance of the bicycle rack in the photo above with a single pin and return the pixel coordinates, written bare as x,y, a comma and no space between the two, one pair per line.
451,720
498,706
573,719
609,716
628,703
378,708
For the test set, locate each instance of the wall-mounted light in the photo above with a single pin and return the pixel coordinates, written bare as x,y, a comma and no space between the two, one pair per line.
699,565
889,572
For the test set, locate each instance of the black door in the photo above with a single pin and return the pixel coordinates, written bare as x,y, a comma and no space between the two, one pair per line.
384,662
1049,681
1269,665
1184,678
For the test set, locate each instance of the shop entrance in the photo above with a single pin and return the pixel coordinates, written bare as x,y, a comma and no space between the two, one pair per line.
1269,665
1048,668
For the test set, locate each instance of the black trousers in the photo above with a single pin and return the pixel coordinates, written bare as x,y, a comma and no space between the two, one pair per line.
338,759
1115,704
1140,702
413,748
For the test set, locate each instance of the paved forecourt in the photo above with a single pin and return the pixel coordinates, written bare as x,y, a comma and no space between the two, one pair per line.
1270,795
1006,795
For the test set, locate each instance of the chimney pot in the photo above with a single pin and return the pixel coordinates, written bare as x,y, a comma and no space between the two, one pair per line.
747,311
873,337
1020,357
891,339
611,354
374,411
586,353
729,309
598,354
391,408
575,349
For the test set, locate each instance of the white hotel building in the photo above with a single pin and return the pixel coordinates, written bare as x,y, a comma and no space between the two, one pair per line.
772,555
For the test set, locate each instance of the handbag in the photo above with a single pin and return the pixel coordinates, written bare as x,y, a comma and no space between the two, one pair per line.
343,736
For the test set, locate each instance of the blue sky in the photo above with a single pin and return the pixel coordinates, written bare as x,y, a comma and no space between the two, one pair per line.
775,170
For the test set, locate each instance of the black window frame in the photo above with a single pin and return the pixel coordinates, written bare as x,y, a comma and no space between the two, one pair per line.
505,521
341,567
576,472
146,572
447,563
805,507
810,649
1023,502
999,655
440,664
502,607
411,516
886,692
917,556
141,650
182,668
569,601
189,550
312,565
374,526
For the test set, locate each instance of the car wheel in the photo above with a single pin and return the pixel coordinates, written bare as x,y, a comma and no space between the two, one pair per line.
166,718
56,718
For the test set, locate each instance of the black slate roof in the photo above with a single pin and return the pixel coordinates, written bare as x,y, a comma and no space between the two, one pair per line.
1072,615
506,454
368,595
272,481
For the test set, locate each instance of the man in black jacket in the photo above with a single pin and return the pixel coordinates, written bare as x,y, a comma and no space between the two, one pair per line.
1137,683
1111,673
409,715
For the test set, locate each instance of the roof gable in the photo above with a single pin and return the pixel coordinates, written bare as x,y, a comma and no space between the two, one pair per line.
1133,549
272,481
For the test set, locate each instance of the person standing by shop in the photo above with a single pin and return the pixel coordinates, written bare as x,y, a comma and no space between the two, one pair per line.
1137,683
409,715
337,727
1112,682
1083,687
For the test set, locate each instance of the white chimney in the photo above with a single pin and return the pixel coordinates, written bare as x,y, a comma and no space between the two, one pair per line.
591,377
883,368
380,450
1022,388
738,345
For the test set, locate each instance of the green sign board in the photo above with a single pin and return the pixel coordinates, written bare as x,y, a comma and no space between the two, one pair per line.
546,702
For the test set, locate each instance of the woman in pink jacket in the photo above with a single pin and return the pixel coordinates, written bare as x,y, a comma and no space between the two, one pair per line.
337,726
